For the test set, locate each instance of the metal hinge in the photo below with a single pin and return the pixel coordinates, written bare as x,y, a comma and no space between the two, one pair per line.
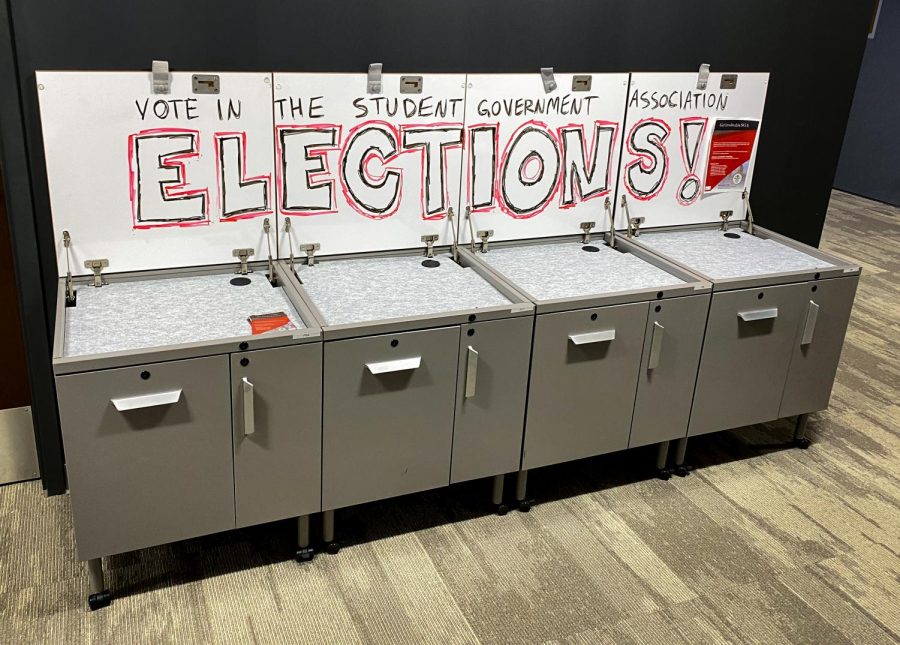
97,267
724,216
160,78
311,252
373,79
485,236
429,244
586,231
243,255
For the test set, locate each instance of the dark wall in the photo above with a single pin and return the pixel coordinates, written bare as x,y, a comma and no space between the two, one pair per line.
811,47
870,160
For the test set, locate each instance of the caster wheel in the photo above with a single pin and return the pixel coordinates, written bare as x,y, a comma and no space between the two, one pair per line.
664,475
99,600
305,555
803,443
502,509
524,505
682,471
332,548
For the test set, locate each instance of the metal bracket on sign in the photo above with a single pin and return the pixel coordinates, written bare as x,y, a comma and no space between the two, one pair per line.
636,224
451,219
242,255
471,228
287,231
547,79
311,252
724,216
373,79
70,287
581,83
745,196
703,76
485,236
205,83
586,231
160,78
728,82
410,84
97,267
267,230
429,244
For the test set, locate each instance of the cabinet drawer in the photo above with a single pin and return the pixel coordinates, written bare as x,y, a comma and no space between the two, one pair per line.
491,387
387,415
583,379
818,344
276,398
672,344
746,353
148,453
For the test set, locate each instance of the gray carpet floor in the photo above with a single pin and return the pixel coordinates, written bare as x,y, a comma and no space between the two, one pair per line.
762,543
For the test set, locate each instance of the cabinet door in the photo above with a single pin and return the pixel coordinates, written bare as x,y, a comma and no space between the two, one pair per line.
583,379
276,398
148,453
491,387
388,415
672,344
818,344
746,353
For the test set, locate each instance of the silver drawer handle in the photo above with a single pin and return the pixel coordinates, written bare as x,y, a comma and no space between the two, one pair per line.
656,341
471,371
147,400
247,405
809,327
400,365
758,314
603,336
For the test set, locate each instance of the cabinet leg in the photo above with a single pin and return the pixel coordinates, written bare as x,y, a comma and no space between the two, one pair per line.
521,489
497,495
99,595
331,546
800,439
680,451
662,458
305,552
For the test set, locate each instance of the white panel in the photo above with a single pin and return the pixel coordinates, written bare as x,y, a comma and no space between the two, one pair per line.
685,117
103,135
352,169
540,163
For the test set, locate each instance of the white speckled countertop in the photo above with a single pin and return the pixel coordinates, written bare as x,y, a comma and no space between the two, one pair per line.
716,256
564,270
354,291
124,316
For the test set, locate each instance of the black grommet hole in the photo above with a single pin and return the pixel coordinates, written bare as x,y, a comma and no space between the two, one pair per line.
817,276
430,264
395,342
590,248
659,294
245,362
145,375
733,236
243,346
240,282
815,288
471,332
760,295
471,317
593,316
657,309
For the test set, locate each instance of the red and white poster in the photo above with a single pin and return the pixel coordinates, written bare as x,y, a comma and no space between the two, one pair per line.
730,153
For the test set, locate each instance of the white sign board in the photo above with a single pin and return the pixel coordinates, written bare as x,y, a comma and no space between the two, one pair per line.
358,172
539,163
152,181
668,134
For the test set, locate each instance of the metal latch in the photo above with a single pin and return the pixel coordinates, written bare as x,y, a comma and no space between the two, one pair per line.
586,231
724,216
205,83
243,255
703,76
97,266
485,236
310,252
373,79
410,84
160,78
70,287
636,224
547,79
429,244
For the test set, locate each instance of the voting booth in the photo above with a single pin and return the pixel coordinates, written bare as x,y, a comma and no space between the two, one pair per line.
289,293
779,308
